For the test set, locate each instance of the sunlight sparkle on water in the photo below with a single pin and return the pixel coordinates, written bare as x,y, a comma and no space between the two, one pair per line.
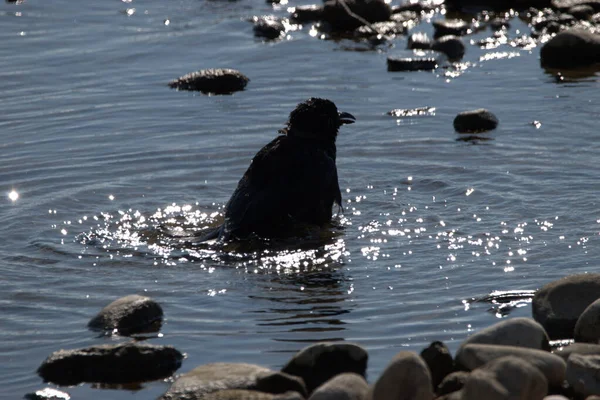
13,195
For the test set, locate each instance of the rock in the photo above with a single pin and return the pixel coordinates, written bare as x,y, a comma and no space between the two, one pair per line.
558,304
571,49
406,377
456,27
241,394
338,18
479,120
498,24
473,356
506,378
416,7
121,363
320,362
387,28
418,40
395,64
452,383
587,328
578,348
557,397
452,46
129,315
268,27
212,81
347,386
439,361
520,332
583,374
211,378
47,394
310,13
581,12
565,5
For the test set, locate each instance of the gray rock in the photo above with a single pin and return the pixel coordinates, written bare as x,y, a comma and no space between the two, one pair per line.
309,13
387,28
558,304
212,81
347,386
129,315
456,27
212,378
439,361
479,120
395,64
121,363
242,394
418,40
406,377
577,348
557,397
371,11
268,27
520,332
583,374
320,362
452,46
473,356
506,378
565,5
453,382
581,12
571,49
587,328
47,394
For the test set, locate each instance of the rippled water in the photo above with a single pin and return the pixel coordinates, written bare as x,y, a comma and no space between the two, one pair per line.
102,163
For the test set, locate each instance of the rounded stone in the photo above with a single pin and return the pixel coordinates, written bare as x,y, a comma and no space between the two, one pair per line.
418,40
309,13
452,46
212,81
452,383
268,27
571,49
583,372
559,304
581,12
520,332
587,328
406,377
395,64
347,386
480,120
129,315
439,360
456,27
577,348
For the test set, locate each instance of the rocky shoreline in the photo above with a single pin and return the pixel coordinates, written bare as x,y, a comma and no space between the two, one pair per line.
513,359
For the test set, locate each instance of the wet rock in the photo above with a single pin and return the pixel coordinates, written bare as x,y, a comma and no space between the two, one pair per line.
242,394
310,13
452,383
473,356
558,305
388,28
452,46
395,64
479,120
565,5
439,361
347,386
557,397
406,377
520,332
121,363
211,378
320,362
418,40
578,348
581,12
47,394
456,27
587,328
499,23
506,378
416,7
129,315
212,81
336,15
571,49
583,374
268,27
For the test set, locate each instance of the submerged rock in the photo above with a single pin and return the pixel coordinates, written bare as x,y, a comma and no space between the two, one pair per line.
456,27
479,120
558,304
439,360
571,49
129,315
213,378
406,377
310,13
121,363
215,81
347,386
387,28
268,27
395,64
337,16
452,46
320,362
418,40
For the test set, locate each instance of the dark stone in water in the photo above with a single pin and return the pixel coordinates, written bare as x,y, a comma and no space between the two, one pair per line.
452,46
121,363
479,120
129,315
336,15
387,28
452,383
571,49
47,394
213,81
418,40
456,27
439,360
310,13
216,378
565,5
395,64
268,27
581,12
320,362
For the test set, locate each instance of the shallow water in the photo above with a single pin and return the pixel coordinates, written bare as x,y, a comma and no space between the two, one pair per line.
104,158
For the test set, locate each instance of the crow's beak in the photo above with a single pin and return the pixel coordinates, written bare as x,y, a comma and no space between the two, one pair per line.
346,118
